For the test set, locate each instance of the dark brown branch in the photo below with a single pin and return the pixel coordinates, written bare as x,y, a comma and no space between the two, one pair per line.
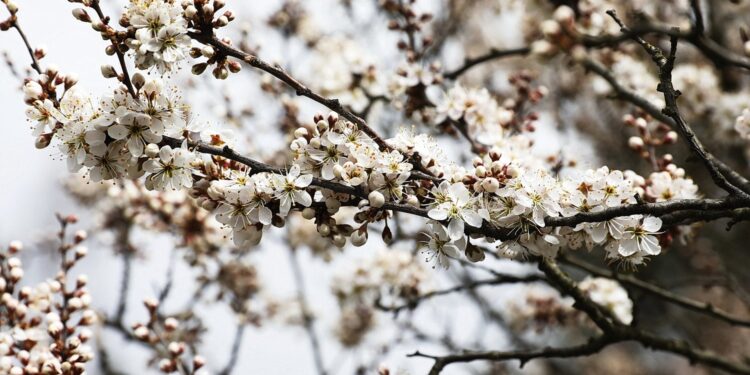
663,294
616,331
698,26
282,75
116,46
487,229
592,347
491,55
498,280
631,97
613,332
34,62
713,51
665,63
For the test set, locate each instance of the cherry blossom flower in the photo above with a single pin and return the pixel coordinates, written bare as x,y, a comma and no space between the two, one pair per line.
109,163
639,236
441,247
609,294
135,130
171,169
290,189
458,208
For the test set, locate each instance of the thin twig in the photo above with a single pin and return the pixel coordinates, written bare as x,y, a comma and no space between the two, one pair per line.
235,351
493,54
498,280
665,63
307,318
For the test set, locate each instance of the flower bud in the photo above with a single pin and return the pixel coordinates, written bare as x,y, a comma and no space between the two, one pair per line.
43,141
359,237
198,362
16,273
12,7
171,324
300,133
512,171
412,200
81,251
138,80
151,303
166,365
152,87
75,303
636,143
550,28
81,281
190,12
670,137
234,66
324,230
176,348
108,71
222,21
55,328
141,332
490,185
15,246
220,73
376,199
152,150
207,51
81,15
308,213
563,14
641,123
339,240
32,90
70,80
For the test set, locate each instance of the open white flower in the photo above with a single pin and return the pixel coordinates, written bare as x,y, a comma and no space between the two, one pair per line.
109,163
640,236
441,247
243,207
171,169
458,208
610,295
290,189
45,114
135,130
74,144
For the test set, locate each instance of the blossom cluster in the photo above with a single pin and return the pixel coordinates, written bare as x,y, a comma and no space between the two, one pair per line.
542,312
389,278
335,163
159,33
172,340
483,116
121,136
45,326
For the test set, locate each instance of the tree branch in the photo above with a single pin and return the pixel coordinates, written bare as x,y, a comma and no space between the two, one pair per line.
491,55
665,63
631,97
498,280
663,294
592,347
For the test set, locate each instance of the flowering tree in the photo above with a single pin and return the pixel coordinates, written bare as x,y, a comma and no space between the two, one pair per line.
451,168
